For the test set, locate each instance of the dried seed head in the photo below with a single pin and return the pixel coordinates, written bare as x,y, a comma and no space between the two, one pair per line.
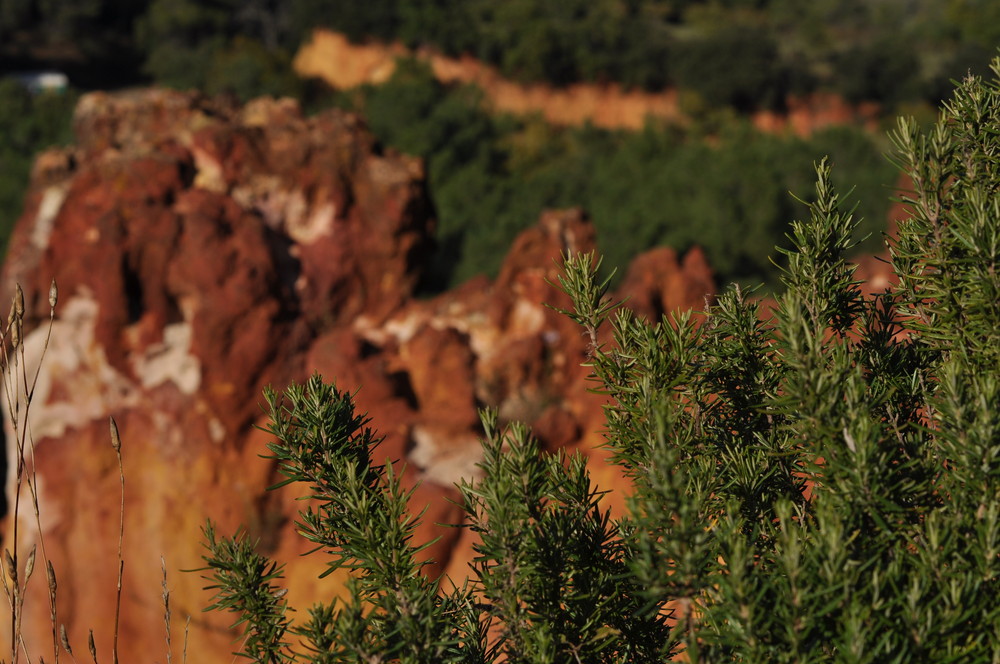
15,334
116,441
53,295
166,592
64,639
18,301
50,573
8,561
29,566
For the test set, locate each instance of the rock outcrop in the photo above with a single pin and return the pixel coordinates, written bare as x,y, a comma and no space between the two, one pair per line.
205,250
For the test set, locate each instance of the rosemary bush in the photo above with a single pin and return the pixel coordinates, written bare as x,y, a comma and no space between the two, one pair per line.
823,485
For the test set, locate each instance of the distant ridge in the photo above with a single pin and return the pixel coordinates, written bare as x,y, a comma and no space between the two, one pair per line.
330,56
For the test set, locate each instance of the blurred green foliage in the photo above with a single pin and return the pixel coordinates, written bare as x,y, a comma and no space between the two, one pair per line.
740,53
744,53
28,123
491,176
733,67
224,46
719,184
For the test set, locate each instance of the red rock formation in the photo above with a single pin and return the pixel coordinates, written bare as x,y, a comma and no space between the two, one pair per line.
205,250
658,283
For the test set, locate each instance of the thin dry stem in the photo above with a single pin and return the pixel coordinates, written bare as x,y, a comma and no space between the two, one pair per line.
16,392
12,394
166,607
53,297
184,654
117,444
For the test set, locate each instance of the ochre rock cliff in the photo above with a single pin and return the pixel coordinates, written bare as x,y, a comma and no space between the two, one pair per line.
205,250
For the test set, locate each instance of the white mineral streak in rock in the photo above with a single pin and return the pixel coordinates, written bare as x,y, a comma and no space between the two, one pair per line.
208,174
309,228
293,210
52,201
527,318
266,195
286,209
261,112
216,430
446,458
402,328
170,361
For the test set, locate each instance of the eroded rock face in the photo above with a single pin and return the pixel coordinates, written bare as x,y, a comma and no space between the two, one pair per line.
205,250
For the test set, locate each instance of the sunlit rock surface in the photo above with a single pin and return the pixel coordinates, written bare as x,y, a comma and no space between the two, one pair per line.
204,250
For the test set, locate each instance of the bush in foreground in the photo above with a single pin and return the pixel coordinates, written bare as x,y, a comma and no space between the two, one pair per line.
820,486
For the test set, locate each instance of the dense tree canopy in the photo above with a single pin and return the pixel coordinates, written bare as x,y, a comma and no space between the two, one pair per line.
745,53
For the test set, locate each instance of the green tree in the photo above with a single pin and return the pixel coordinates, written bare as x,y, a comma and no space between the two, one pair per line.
246,68
736,66
447,24
180,38
28,124
881,71
218,46
977,21
820,486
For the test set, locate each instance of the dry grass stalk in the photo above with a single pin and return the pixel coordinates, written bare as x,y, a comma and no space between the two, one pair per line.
19,398
166,608
50,574
116,443
184,654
